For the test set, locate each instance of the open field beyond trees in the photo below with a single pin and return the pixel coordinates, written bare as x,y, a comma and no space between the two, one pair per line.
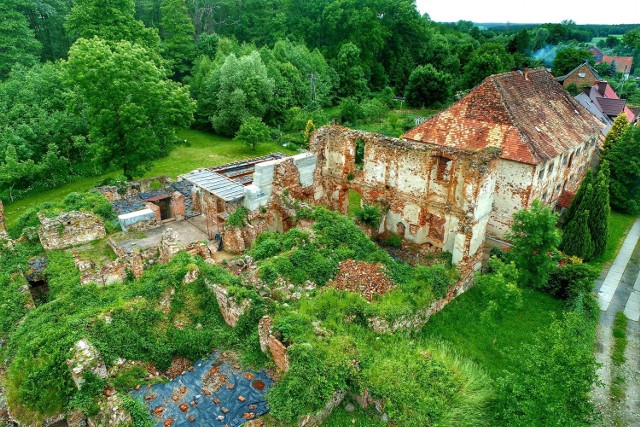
201,150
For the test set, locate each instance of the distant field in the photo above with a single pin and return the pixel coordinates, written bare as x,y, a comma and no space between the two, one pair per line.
203,150
597,39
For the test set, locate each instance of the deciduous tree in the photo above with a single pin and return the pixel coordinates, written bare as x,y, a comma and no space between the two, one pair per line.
534,235
242,89
252,132
133,108
109,20
427,87
569,58
620,125
177,34
13,170
348,65
18,44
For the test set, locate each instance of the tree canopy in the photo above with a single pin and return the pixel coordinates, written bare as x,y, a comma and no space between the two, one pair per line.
133,109
534,235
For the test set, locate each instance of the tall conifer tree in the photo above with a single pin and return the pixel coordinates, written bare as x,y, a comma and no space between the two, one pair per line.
599,210
577,238
577,200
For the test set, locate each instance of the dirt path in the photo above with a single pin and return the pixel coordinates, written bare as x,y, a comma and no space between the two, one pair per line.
614,287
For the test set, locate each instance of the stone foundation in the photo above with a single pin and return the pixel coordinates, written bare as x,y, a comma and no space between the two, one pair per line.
319,417
70,229
421,317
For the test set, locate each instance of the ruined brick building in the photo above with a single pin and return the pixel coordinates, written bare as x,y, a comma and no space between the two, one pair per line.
451,182
547,139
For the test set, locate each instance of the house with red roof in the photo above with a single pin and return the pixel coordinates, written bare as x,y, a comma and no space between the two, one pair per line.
546,138
604,103
623,63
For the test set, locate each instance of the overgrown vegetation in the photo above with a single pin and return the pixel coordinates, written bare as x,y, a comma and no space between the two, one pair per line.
130,322
530,371
84,202
471,365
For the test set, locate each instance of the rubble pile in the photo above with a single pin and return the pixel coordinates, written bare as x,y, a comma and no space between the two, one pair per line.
368,280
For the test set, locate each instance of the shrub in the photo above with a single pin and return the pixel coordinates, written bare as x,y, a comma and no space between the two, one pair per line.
86,398
534,236
140,415
369,215
568,281
238,218
393,241
351,111
438,276
89,202
374,110
266,249
315,373
268,274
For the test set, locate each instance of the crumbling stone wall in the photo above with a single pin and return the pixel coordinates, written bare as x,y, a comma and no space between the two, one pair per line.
70,229
236,240
177,205
116,271
295,174
230,309
316,420
269,344
168,245
85,358
156,211
429,193
421,317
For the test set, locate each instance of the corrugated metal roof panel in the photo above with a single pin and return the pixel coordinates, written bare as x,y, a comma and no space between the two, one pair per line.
218,185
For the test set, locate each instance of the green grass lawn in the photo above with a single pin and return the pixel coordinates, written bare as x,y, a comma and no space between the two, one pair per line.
461,325
619,224
203,150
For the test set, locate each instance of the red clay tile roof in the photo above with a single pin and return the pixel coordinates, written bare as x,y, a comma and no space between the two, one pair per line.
531,118
565,199
623,63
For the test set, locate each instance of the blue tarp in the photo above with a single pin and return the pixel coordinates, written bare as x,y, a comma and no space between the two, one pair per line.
210,381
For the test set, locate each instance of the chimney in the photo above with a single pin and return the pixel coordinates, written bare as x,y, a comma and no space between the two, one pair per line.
602,86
